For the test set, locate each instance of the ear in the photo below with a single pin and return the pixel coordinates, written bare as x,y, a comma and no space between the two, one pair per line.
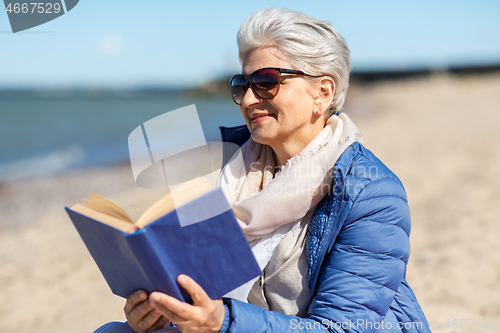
326,91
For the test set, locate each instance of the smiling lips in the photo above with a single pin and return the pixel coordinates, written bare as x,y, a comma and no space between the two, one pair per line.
261,117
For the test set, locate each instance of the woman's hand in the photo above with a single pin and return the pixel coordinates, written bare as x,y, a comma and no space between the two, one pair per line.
205,315
141,315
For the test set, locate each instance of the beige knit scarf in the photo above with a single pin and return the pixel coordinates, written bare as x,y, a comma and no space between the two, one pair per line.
264,200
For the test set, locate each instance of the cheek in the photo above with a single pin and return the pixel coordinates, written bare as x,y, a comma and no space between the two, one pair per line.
293,111
245,115
295,103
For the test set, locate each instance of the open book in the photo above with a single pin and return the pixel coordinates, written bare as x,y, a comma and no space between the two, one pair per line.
150,253
108,212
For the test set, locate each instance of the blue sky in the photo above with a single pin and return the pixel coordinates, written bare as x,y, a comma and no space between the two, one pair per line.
116,43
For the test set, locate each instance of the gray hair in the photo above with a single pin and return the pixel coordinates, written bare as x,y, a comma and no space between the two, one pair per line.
310,45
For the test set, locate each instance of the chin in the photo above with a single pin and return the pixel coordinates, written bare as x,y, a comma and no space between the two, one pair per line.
262,139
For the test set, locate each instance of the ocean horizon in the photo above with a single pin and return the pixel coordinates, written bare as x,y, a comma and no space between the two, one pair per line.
44,133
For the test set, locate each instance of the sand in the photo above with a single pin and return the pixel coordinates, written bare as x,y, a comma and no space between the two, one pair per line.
438,134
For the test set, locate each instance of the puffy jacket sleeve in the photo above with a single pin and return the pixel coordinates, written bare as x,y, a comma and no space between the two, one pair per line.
360,274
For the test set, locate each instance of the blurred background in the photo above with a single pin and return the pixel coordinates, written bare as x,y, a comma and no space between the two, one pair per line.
425,92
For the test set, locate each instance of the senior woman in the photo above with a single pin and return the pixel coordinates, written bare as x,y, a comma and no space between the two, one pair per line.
327,221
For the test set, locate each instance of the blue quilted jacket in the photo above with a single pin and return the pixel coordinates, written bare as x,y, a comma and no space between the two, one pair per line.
357,249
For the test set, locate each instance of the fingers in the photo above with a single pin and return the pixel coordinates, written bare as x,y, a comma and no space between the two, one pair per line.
143,315
140,313
170,307
160,323
205,315
150,320
134,299
196,292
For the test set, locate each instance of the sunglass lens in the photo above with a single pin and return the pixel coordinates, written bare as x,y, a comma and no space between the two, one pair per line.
265,83
238,88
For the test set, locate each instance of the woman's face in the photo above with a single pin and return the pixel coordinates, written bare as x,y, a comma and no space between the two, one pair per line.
288,120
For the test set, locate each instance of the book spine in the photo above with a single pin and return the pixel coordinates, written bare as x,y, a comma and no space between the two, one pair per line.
155,266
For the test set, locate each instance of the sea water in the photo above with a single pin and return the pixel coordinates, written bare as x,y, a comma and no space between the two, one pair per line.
46,133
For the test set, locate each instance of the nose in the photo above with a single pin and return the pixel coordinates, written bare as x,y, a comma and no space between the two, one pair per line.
250,98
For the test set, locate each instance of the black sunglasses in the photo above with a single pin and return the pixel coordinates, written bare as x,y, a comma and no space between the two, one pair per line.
265,83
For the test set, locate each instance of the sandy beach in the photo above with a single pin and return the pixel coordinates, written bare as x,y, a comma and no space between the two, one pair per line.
438,134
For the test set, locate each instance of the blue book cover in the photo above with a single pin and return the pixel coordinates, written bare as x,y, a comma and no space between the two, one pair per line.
214,252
